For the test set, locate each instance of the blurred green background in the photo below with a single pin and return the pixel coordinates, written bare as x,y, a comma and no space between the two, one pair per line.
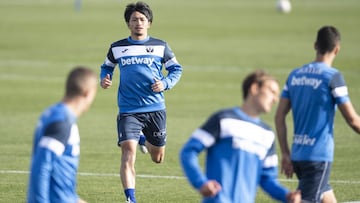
217,42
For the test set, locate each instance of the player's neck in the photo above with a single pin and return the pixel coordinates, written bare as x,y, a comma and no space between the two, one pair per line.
74,104
138,37
250,110
325,58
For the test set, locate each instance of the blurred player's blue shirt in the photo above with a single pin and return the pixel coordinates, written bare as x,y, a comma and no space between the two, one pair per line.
314,90
55,157
140,63
240,156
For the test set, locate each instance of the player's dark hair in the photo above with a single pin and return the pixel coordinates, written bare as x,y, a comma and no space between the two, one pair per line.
77,81
327,38
258,77
139,7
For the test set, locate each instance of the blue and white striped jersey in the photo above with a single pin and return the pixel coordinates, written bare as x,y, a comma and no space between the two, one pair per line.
314,90
55,157
240,155
140,63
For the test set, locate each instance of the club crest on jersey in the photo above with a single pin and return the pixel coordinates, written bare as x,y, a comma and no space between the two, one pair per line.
149,49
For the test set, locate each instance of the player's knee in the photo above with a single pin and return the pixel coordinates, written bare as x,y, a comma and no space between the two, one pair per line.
328,197
157,159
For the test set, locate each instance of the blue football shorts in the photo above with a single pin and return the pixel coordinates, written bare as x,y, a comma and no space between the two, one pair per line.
152,125
313,179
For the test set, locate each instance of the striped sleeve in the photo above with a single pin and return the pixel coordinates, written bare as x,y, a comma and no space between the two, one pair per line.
339,89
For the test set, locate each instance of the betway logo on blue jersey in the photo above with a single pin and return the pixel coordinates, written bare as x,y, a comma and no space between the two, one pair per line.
136,61
305,81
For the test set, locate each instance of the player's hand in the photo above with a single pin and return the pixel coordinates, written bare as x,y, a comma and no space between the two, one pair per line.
157,86
294,197
286,166
106,82
81,201
210,188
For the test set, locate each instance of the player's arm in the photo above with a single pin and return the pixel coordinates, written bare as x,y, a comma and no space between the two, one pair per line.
173,67
340,93
199,141
279,192
352,118
271,186
107,69
40,174
281,130
190,162
51,145
269,180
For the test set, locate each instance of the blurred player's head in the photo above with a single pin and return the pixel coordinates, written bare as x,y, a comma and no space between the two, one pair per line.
81,85
260,90
328,38
140,7
258,78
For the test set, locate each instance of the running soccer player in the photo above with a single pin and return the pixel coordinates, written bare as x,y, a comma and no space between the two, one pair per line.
312,93
240,149
141,102
56,147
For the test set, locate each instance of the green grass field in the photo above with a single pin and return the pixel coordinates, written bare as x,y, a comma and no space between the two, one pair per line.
217,42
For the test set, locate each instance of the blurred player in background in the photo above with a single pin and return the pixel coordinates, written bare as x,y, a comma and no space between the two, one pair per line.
56,149
240,149
312,93
141,91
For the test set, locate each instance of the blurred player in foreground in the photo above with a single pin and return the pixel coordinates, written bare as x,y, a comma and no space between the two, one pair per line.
240,149
312,93
56,147
141,101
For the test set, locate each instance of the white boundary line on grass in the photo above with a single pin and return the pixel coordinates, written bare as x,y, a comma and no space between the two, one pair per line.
165,177
98,174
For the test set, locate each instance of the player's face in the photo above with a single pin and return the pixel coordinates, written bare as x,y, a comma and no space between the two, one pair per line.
138,25
268,95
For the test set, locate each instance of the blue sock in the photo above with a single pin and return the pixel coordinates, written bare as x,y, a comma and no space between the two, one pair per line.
130,194
142,139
